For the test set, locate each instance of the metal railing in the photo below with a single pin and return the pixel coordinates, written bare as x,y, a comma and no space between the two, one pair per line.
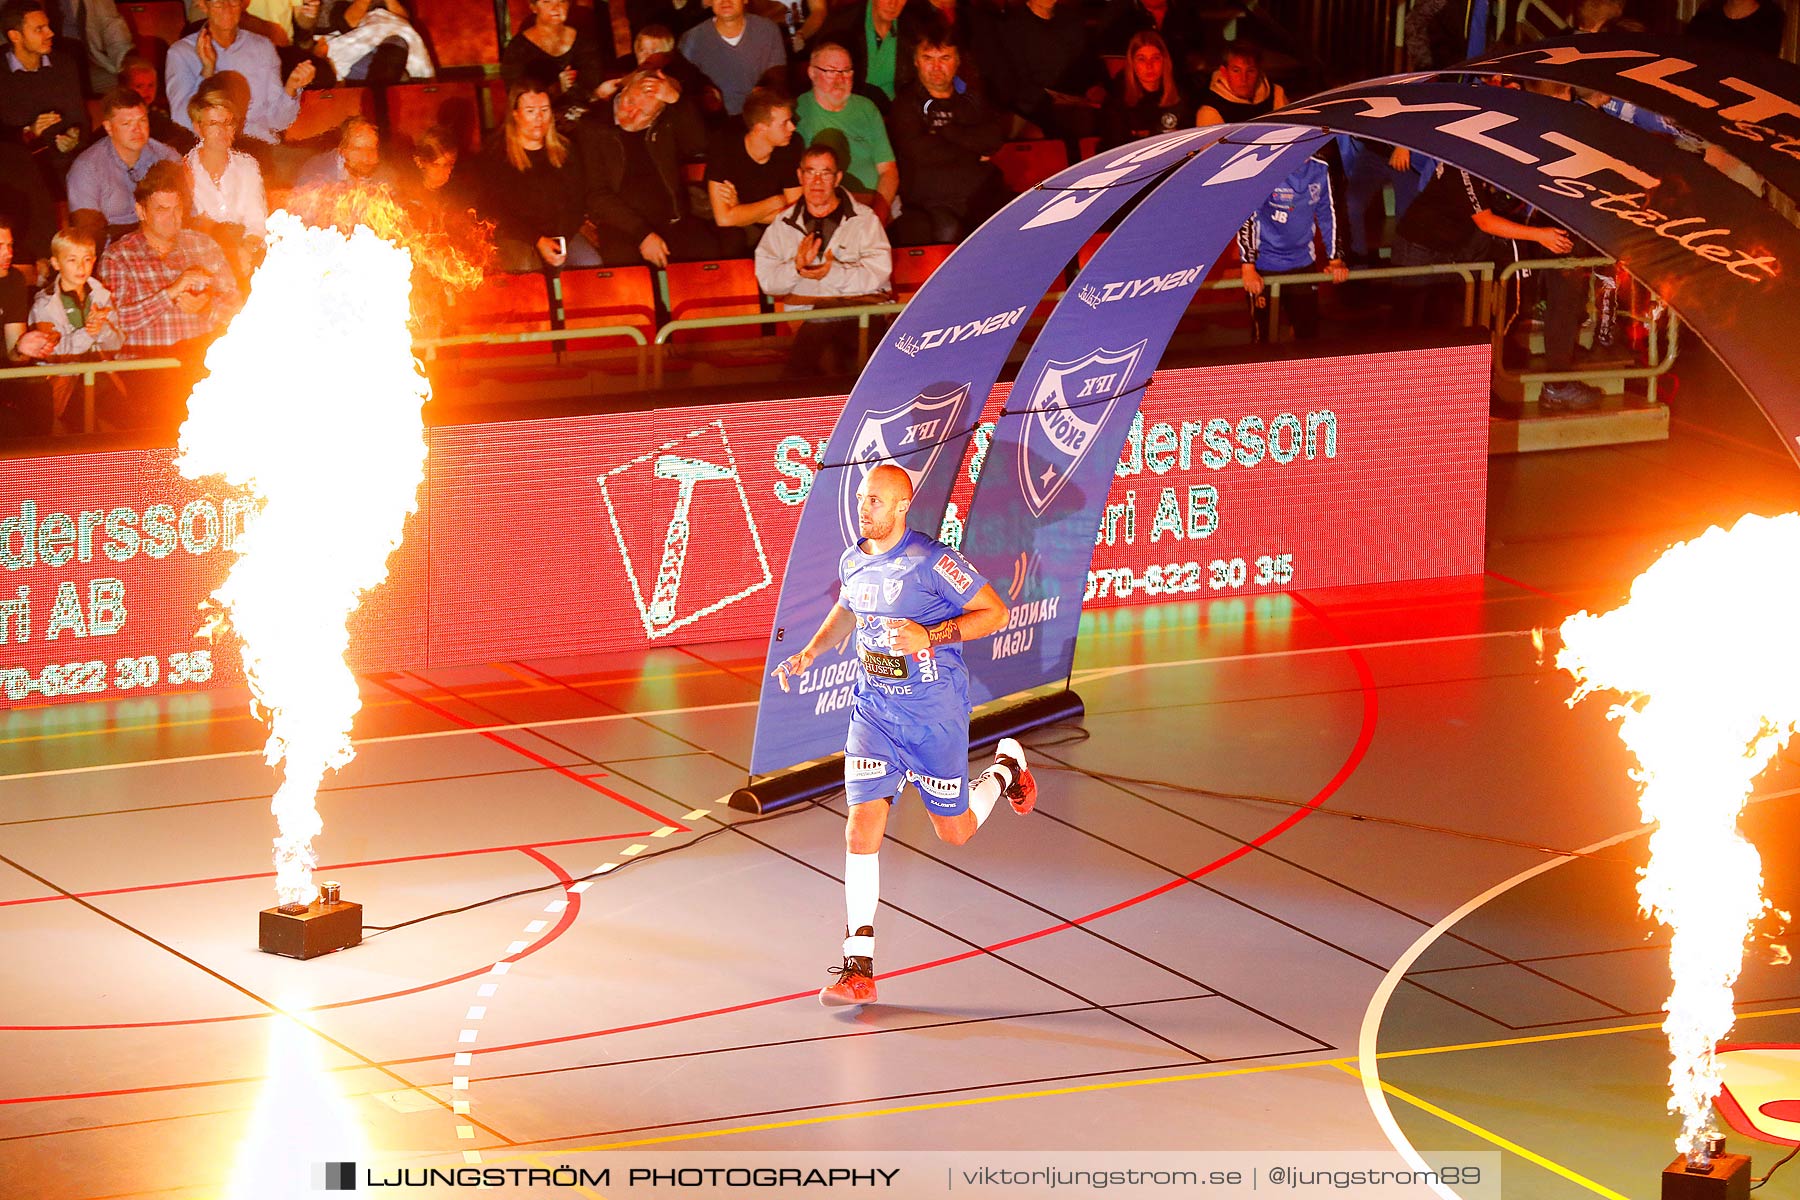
1477,277
1651,372
649,350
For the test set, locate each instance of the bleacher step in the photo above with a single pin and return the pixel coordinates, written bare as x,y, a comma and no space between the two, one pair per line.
1613,423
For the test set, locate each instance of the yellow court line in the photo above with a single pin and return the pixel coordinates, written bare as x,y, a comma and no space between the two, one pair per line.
1345,1063
1488,1135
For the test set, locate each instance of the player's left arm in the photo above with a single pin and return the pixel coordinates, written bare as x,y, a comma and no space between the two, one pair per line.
985,613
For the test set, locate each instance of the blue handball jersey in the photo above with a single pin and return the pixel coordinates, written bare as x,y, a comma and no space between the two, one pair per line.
920,580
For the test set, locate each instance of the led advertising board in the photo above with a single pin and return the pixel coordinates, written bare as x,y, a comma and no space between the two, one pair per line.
671,526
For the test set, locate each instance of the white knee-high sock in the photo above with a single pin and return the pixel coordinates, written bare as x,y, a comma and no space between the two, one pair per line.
986,789
862,894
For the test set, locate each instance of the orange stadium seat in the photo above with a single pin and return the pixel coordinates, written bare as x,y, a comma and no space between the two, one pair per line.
595,296
412,108
721,288
322,112
1027,164
502,304
913,265
162,20
1087,147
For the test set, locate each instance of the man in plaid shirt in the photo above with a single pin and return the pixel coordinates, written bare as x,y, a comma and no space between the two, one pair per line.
172,289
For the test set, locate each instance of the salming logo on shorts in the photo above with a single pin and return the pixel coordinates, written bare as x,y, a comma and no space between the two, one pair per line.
943,789
857,768
883,666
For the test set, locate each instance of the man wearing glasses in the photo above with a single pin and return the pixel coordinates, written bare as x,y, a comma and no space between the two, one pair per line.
833,114
220,45
825,251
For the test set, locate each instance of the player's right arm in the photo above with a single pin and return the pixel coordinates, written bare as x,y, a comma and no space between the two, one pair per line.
838,624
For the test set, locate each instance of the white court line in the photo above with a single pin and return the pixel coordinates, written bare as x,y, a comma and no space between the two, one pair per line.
1367,1062
1086,675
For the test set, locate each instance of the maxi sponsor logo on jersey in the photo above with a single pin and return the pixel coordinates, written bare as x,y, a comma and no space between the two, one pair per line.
1070,401
1094,295
953,574
1568,164
914,344
910,435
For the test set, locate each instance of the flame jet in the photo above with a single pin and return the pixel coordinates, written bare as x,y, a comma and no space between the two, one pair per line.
312,407
1712,692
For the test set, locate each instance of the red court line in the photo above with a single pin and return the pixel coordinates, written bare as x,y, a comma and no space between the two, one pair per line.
565,772
566,919
1523,586
343,866
1365,736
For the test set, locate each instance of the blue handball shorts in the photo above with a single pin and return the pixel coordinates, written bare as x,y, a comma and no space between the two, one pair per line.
879,757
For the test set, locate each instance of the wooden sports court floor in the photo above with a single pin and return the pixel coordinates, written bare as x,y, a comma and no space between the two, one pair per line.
1296,837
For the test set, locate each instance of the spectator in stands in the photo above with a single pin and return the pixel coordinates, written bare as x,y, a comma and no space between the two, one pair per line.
851,125
104,178
220,45
752,178
532,187
1239,90
945,140
40,94
139,75
1047,71
1748,24
225,185
436,188
1436,33
172,289
96,34
881,36
677,16
1145,99
800,20
356,162
635,194
76,311
1458,218
1278,238
735,50
1176,22
1596,16
372,41
825,251
25,411
565,62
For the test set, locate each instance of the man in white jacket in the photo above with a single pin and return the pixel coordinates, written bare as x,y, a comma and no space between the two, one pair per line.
824,252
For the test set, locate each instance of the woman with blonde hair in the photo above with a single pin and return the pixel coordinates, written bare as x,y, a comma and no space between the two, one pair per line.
533,188
225,185
1145,99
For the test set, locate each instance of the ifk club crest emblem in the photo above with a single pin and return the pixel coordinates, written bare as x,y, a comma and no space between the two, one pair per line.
1069,404
910,435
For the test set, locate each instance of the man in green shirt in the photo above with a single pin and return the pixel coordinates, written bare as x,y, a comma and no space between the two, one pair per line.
880,36
851,125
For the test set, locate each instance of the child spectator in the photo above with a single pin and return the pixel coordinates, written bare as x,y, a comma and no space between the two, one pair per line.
75,310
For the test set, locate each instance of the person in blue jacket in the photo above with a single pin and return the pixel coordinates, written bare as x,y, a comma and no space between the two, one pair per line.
1278,238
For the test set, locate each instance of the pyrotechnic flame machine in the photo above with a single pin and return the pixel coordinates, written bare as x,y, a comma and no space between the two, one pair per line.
1708,1173
308,930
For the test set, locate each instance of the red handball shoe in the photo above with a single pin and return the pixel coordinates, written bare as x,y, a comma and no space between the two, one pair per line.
1023,792
855,984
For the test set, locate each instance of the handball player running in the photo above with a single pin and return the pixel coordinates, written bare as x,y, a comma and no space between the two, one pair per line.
912,601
